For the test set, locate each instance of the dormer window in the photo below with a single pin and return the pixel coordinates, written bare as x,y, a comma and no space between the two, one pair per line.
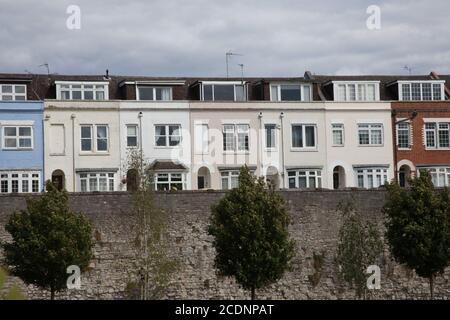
356,91
154,93
224,91
13,92
430,90
290,92
68,90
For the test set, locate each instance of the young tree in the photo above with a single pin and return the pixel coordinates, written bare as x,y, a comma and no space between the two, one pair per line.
359,246
418,227
250,229
46,239
153,266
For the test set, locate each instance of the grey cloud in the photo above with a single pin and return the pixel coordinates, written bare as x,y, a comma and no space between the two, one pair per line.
190,38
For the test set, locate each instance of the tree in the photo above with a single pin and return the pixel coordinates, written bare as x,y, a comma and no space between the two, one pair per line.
418,227
153,266
359,246
250,229
47,238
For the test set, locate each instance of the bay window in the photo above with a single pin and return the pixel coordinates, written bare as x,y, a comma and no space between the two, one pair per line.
19,181
96,181
230,179
440,176
304,179
169,181
369,178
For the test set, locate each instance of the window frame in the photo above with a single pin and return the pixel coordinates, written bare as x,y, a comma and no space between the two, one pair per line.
32,178
308,174
167,135
436,135
223,83
365,174
445,171
87,176
370,129
408,132
154,88
60,88
94,139
274,137
235,138
409,84
305,148
136,126
13,94
17,137
302,87
170,181
341,129
356,85
228,175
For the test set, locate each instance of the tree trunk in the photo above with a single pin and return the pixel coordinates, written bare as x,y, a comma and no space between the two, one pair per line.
253,293
52,294
431,287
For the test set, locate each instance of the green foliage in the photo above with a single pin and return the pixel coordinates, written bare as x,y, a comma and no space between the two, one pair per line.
418,227
13,293
359,246
250,229
47,238
153,267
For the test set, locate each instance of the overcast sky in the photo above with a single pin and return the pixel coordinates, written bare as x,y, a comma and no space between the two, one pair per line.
190,38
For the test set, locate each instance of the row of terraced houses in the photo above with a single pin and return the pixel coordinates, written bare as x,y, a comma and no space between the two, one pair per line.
314,131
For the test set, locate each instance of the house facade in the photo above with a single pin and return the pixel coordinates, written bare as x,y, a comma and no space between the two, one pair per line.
309,132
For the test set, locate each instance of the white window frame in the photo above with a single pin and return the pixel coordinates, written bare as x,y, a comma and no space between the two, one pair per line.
435,172
70,84
304,148
32,177
138,95
374,172
308,173
229,175
408,131
94,138
337,127
86,176
237,130
17,137
303,87
370,128
137,135
13,94
435,133
275,136
231,83
169,181
356,85
167,135
421,82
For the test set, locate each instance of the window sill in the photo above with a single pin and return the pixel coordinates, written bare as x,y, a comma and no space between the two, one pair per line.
338,145
304,150
21,149
98,153
167,147
437,149
57,154
236,152
370,145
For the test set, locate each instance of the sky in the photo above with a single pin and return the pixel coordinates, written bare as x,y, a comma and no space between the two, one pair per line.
190,38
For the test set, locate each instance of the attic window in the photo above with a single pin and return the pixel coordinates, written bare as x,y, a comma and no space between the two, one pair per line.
68,90
421,90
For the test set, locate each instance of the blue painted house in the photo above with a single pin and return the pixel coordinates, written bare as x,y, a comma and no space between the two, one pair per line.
21,146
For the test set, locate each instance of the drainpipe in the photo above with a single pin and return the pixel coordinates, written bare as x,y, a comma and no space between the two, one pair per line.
141,150
260,144
282,150
72,117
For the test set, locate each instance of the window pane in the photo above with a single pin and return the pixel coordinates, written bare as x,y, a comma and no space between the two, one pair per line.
20,89
86,145
25,131
351,92
290,92
274,93
307,93
426,91
341,92
406,92
145,93
85,132
76,95
88,95
10,143
240,93
25,143
310,136
270,135
10,131
7,89
223,92
297,137
207,93
415,91
436,91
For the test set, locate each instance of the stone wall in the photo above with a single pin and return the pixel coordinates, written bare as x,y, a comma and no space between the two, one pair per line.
315,224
